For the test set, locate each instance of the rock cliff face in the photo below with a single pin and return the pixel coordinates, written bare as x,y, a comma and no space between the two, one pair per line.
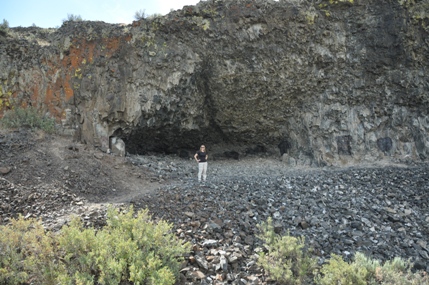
323,83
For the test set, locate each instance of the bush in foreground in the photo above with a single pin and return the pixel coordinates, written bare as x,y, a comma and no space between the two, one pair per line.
27,254
337,271
364,270
288,262
129,250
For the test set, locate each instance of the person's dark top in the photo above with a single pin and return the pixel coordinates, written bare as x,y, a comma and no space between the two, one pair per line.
201,156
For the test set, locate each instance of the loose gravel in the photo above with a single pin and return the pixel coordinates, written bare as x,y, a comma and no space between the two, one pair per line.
380,210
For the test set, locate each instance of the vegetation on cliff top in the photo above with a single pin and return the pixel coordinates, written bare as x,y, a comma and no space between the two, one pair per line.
27,117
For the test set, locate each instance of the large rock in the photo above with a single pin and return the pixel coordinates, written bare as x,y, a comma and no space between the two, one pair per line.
326,83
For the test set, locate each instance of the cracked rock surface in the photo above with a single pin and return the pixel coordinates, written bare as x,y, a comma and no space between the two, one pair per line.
322,82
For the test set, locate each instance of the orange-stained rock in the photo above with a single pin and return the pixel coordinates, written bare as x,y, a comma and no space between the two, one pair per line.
318,86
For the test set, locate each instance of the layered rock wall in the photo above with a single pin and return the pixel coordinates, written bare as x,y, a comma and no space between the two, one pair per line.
324,83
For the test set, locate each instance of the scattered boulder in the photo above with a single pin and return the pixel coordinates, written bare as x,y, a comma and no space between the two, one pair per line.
117,146
5,170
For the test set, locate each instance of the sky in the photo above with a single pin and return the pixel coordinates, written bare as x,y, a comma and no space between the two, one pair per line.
51,13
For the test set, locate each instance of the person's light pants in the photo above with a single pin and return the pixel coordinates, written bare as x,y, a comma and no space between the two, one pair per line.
202,170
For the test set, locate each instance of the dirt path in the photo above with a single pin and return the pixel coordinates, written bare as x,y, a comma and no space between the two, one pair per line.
54,176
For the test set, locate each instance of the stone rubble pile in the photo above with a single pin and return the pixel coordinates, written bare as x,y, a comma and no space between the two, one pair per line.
380,211
55,206
47,177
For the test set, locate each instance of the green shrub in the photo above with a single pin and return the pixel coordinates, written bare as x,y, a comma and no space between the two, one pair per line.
76,245
364,270
129,249
27,254
287,261
370,265
73,18
134,249
392,272
28,117
337,271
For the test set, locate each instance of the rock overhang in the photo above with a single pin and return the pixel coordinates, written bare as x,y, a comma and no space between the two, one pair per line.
318,84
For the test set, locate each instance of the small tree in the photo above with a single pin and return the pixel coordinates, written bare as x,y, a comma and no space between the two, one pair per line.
72,17
140,15
4,26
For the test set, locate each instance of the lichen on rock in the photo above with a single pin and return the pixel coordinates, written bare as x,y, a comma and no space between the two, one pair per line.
339,81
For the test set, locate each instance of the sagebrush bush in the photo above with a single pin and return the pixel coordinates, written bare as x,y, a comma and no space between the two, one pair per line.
337,271
392,272
364,270
76,245
28,117
27,254
129,249
286,261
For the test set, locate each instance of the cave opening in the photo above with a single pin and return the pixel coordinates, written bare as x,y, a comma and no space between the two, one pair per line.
166,141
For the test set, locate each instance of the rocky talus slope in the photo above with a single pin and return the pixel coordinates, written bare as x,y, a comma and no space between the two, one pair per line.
319,82
381,209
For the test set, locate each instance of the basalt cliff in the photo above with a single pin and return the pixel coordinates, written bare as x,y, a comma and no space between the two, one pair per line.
316,82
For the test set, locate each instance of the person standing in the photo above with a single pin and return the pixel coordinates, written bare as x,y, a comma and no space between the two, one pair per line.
201,157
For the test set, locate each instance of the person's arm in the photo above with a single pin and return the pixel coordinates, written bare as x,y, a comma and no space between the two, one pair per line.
195,156
207,157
